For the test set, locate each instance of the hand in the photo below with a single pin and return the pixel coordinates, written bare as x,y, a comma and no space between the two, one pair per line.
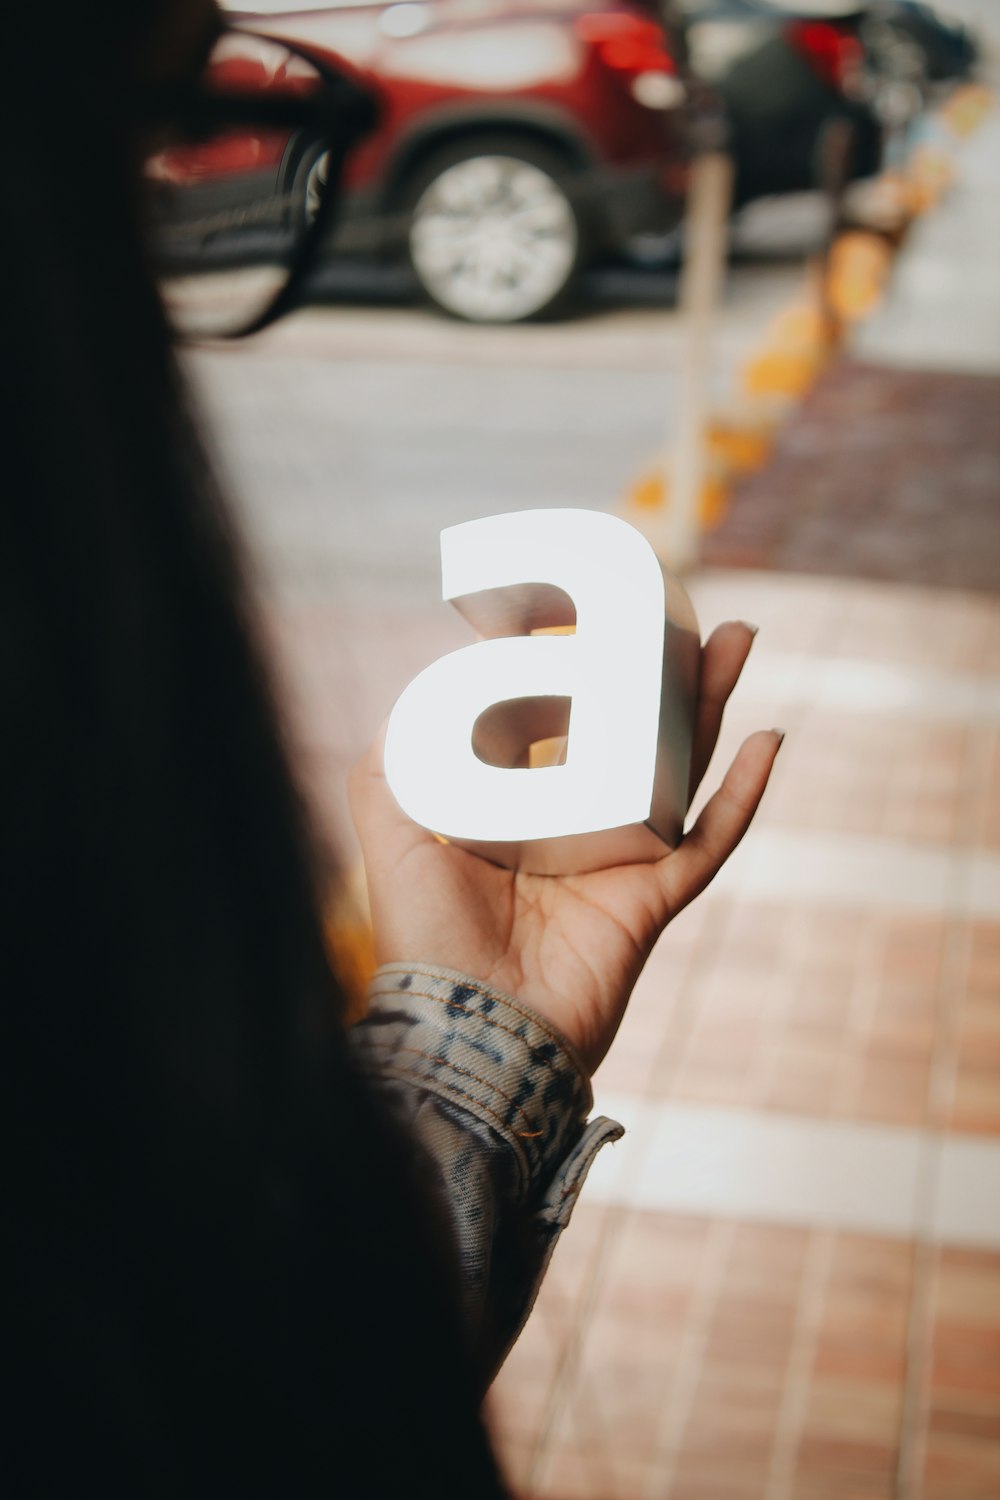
570,946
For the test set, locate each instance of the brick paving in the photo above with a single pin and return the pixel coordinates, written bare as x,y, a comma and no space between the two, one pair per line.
699,1356
883,473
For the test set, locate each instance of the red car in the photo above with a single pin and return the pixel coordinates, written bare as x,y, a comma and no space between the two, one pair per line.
515,140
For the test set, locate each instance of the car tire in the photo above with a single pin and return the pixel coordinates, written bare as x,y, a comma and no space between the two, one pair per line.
495,233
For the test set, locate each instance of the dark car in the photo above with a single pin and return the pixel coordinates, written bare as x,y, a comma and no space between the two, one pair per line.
786,80
948,50
514,143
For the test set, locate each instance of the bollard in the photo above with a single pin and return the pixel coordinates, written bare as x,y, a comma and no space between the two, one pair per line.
673,528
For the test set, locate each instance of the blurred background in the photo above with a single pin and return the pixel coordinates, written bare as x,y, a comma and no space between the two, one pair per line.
729,269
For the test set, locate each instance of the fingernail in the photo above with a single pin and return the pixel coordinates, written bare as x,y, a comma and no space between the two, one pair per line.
748,625
781,735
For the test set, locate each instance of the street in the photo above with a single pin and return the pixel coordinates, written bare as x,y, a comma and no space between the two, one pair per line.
352,434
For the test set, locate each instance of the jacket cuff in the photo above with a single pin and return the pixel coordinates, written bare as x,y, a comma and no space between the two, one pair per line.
495,1058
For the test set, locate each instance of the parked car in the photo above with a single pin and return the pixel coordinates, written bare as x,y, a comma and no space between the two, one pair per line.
948,50
785,79
516,139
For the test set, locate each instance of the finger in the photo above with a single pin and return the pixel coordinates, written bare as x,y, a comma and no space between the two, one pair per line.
380,821
368,791
723,658
724,820
366,773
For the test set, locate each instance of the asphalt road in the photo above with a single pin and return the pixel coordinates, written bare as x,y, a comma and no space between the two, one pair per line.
352,433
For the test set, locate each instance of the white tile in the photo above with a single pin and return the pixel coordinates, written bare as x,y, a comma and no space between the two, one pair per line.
966,1206
775,864
794,1170
613,1173
853,871
783,1168
981,873
856,686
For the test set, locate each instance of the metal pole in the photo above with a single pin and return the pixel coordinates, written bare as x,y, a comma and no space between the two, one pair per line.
675,535
835,177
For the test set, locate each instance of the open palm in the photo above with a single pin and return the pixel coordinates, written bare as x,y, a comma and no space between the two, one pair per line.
570,946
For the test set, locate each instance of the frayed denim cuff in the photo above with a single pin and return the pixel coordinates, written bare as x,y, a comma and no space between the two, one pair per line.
494,1058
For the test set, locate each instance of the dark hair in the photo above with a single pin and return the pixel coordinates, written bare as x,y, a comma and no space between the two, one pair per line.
222,1281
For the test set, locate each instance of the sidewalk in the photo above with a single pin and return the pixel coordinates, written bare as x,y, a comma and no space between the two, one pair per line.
785,1283
886,473
891,469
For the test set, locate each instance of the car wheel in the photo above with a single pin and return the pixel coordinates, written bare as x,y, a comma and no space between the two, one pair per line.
315,185
494,235
308,180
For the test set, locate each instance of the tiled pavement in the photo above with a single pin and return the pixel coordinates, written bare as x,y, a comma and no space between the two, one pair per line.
854,484
787,1286
823,1317
892,468
784,1284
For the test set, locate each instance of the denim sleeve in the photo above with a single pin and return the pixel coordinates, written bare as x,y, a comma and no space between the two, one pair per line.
497,1104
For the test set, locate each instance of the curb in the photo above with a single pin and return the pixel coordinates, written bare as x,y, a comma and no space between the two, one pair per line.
841,292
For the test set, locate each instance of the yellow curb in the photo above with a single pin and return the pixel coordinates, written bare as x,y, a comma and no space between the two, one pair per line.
738,448
858,273
711,506
781,372
801,328
967,108
804,337
895,188
886,202
649,492
713,502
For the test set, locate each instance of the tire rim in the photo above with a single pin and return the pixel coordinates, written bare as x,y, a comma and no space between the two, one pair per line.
316,185
493,239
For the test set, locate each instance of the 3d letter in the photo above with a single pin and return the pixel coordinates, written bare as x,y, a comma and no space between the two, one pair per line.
629,673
